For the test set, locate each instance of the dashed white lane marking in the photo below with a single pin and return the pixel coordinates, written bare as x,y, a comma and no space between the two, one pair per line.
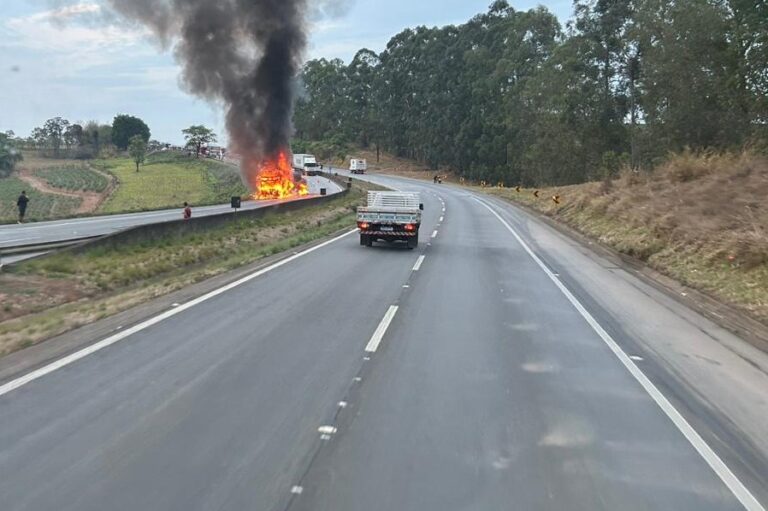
742,494
343,404
419,262
441,219
326,430
434,233
93,348
378,335
636,358
443,210
297,490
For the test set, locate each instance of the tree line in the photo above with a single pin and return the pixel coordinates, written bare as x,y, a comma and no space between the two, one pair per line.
60,138
513,96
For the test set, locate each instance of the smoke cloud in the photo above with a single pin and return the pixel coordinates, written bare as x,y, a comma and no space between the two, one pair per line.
244,54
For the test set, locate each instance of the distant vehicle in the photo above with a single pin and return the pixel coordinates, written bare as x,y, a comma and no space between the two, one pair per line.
306,164
358,166
390,216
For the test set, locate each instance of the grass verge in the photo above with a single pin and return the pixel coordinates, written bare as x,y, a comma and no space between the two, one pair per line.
49,296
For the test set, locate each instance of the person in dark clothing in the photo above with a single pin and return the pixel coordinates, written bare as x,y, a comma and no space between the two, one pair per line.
187,211
22,202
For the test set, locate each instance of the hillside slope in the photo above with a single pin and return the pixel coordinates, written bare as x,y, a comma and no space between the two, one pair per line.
701,219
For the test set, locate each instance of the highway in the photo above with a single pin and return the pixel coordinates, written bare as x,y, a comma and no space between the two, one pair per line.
14,235
500,365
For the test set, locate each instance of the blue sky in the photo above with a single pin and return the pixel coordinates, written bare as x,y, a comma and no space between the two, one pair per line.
89,72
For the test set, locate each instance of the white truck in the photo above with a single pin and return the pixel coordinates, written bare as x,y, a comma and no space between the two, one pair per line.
306,164
390,216
358,166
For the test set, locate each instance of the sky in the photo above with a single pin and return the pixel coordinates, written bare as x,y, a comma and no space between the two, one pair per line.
85,71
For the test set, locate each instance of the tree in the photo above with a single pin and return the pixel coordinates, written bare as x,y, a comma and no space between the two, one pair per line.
54,130
125,127
197,136
137,149
9,155
73,135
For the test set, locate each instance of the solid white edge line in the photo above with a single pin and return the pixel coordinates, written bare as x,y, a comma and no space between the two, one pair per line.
434,233
93,348
742,494
419,261
378,335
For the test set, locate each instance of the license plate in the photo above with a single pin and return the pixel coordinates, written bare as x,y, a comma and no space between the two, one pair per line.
387,228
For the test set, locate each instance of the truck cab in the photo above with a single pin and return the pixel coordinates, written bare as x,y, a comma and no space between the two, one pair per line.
306,164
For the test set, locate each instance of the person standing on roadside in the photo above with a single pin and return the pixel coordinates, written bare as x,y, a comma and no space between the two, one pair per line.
21,203
187,211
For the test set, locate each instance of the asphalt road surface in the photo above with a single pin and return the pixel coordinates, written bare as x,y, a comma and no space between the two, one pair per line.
14,235
498,366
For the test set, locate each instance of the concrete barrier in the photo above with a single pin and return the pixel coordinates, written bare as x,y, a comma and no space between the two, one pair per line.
175,228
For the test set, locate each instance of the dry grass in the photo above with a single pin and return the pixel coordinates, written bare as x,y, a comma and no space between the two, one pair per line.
46,297
700,218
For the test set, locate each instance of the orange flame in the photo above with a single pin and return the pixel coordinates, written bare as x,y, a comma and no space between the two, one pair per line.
274,180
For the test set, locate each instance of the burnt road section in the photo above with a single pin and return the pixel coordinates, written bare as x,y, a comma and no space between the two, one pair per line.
498,366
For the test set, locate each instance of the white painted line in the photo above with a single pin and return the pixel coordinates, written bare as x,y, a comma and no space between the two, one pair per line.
17,239
343,404
93,348
434,233
441,219
725,474
297,490
636,358
326,430
419,262
378,335
443,210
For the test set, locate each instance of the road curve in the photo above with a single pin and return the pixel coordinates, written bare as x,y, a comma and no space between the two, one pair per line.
458,376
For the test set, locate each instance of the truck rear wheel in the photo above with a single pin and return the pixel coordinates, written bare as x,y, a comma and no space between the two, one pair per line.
366,240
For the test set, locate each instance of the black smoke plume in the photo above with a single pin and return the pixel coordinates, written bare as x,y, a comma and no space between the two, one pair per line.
242,53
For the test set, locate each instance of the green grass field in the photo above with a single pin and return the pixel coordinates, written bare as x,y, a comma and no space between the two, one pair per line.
74,178
42,206
167,180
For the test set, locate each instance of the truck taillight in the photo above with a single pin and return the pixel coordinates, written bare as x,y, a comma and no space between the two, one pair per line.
410,227
363,225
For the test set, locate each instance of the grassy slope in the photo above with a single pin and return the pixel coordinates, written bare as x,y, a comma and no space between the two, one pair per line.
699,219
80,288
167,180
42,206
